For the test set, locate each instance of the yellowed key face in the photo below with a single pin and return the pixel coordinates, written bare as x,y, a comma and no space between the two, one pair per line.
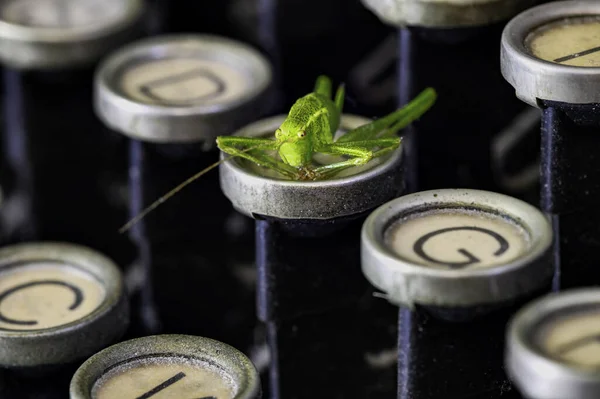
46,295
574,41
457,239
165,378
573,339
184,81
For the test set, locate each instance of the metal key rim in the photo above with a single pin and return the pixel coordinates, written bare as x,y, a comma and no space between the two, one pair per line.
133,118
217,353
536,79
252,194
536,374
407,283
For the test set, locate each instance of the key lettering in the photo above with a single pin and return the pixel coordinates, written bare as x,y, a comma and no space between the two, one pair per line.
149,89
471,259
76,291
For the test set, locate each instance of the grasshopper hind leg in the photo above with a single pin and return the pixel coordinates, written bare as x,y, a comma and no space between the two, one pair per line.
323,86
339,98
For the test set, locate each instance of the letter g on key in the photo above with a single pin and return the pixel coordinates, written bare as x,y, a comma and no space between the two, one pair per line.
471,259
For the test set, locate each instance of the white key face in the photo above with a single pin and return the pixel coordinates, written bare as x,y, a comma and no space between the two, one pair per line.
164,378
62,13
183,81
573,339
46,295
574,42
457,239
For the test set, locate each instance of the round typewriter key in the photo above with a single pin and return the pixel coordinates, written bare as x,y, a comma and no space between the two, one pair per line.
58,303
252,189
173,366
181,88
57,34
553,346
445,13
552,52
456,248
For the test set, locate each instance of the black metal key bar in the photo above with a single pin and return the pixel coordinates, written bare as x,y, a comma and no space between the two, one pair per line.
64,180
453,46
320,317
457,263
562,80
172,108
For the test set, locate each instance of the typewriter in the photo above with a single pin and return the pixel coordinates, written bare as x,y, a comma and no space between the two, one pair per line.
138,260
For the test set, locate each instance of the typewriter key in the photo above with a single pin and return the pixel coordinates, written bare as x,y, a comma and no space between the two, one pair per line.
58,303
456,261
451,45
311,294
181,88
179,366
552,346
171,96
562,77
47,34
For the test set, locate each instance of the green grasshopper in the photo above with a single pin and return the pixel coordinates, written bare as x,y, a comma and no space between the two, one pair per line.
310,128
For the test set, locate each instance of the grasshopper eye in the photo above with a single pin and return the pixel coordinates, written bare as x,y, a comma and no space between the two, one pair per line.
301,133
277,133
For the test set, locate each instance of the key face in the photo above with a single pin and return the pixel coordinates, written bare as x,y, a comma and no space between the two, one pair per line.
457,239
184,81
158,378
573,338
46,295
570,41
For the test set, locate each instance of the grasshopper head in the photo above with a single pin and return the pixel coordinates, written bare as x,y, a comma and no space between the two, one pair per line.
294,147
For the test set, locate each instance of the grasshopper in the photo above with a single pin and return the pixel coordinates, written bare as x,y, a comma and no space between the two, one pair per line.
310,128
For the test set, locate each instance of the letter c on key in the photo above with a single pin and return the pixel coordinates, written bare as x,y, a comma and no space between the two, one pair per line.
78,298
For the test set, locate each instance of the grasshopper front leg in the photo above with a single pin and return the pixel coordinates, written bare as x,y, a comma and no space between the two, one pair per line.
361,151
251,148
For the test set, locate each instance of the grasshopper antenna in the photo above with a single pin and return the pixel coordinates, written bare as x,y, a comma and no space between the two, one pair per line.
174,191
